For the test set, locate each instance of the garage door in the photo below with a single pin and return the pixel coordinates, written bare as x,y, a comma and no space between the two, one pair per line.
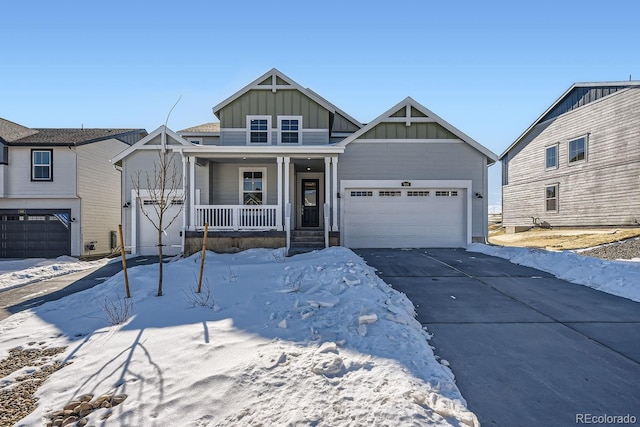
415,218
35,234
149,234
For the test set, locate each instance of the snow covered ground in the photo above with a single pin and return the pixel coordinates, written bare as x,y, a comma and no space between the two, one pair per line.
19,272
620,278
316,339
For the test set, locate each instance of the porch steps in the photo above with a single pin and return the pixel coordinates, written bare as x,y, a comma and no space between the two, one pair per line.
303,241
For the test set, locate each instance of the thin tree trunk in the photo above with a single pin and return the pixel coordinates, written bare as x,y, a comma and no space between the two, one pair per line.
160,262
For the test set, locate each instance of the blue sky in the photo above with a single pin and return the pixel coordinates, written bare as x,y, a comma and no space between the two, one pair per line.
488,68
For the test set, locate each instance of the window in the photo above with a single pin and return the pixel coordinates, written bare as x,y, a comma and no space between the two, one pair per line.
551,157
446,193
417,193
41,165
195,141
289,128
362,194
253,186
259,129
551,198
4,154
389,193
578,150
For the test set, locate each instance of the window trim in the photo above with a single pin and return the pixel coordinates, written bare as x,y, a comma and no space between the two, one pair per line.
546,150
268,131
556,186
241,172
586,150
299,119
40,150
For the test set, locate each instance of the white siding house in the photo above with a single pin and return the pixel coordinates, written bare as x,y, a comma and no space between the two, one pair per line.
59,195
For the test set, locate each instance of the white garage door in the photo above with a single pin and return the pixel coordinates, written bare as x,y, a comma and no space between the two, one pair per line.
406,218
149,234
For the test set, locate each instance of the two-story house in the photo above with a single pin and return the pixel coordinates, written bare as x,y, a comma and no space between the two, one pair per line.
284,167
58,193
578,164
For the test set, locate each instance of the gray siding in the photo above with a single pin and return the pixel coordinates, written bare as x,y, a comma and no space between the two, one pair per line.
225,182
281,103
319,137
341,124
600,191
424,161
415,131
233,137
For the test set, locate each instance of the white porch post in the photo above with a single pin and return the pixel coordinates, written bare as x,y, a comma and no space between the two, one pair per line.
334,203
287,183
192,192
327,196
280,160
186,203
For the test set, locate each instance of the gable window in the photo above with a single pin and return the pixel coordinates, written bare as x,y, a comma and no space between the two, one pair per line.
41,165
578,150
289,128
551,157
551,198
258,129
253,182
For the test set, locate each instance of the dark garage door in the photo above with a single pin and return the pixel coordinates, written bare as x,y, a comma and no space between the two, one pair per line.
35,234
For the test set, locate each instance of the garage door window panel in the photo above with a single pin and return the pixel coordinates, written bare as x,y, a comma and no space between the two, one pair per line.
41,165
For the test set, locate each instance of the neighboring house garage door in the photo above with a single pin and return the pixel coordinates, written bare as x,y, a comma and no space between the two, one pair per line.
35,234
404,218
149,234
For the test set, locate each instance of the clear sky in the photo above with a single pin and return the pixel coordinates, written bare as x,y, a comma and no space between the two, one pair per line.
489,68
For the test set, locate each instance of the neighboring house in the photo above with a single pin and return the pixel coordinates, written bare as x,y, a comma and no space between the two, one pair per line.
59,195
285,167
578,164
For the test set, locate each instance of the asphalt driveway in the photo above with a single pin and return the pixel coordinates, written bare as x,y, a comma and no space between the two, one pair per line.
527,349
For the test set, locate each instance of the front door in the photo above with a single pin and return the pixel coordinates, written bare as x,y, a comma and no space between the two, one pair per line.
310,203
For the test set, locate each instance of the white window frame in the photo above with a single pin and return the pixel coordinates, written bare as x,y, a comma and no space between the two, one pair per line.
586,150
546,149
299,119
242,170
49,165
556,198
268,119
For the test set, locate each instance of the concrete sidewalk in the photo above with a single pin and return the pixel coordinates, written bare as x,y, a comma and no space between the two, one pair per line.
527,348
28,296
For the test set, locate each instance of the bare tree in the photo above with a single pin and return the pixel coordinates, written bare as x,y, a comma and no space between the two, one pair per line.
163,190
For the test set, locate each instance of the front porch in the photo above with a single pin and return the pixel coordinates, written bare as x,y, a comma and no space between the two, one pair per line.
275,195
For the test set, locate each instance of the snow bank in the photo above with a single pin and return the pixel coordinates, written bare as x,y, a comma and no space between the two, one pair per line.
621,278
16,273
317,339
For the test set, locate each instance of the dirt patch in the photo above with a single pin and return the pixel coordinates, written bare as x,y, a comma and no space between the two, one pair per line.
562,239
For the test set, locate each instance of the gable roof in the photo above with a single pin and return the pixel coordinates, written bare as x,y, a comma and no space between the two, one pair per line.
18,135
578,95
410,103
203,128
275,79
10,131
150,137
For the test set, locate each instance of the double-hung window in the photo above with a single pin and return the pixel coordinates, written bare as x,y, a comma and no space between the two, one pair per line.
289,129
551,198
578,150
41,165
551,157
253,186
258,129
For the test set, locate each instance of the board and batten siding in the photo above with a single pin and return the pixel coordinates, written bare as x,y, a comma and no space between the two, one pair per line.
601,191
406,161
99,190
280,103
402,131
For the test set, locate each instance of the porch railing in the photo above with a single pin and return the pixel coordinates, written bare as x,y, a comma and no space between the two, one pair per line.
237,217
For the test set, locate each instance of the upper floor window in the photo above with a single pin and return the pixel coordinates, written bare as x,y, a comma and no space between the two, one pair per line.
196,141
551,157
578,150
41,165
4,154
259,129
289,128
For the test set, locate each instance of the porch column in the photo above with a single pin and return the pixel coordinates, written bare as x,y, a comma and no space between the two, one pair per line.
334,203
192,192
287,184
280,160
327,184
187,202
